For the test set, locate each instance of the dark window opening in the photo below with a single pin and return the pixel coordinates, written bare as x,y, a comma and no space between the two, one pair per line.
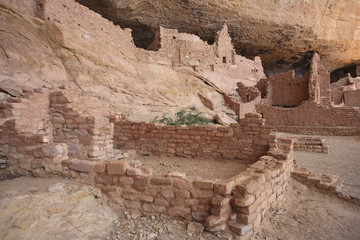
342,72
298,84
247,97
40,5
224,59
174,37
291,106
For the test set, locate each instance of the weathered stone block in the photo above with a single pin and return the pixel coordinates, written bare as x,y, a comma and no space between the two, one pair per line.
240,228
148,199
116,167
132,204
161,181
182,193
200,216
161,202
245,201
220,201
52,150
223,188
247,218
216,228
133,172
202,193
100,168
81,165
182,183
221,210
141,182
204,184
179,211
104,179
248,186
167,192
126,180
215,220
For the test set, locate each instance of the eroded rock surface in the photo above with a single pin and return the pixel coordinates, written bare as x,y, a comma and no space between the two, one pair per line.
34,209
283,33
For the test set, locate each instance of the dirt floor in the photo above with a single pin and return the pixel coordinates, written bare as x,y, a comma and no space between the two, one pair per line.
305,214
342,160
57,208
200,167
309,214
53,208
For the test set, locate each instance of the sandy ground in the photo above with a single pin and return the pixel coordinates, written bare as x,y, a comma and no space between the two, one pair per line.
309,214
53,209
305,214
200,167
342,160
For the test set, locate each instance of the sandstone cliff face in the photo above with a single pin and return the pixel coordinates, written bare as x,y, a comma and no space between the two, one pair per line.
283,32
76,47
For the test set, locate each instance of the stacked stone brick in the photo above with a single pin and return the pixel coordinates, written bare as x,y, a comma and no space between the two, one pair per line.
26,134
312,118
247,140
325,182
40,126
186,50
311,144
317,115
88,133
284,89
238,203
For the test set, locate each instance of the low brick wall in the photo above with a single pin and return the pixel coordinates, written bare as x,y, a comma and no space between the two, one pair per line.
88,133
310,144
325,182
248,140
312,118
241,108
352,98
26,135
238,203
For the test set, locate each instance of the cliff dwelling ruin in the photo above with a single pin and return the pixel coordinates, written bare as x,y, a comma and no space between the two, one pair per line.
181,138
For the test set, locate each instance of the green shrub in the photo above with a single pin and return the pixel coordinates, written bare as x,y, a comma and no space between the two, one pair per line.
184,116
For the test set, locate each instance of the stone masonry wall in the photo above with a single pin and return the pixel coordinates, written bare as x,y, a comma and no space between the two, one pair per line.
82,125
240,107
187,50
90,30
26,135
238,203
247,140
311,144
313,118
248,94
286,90
40,9
319,82
352,98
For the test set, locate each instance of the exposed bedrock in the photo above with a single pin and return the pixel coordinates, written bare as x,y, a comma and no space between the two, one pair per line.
283,32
